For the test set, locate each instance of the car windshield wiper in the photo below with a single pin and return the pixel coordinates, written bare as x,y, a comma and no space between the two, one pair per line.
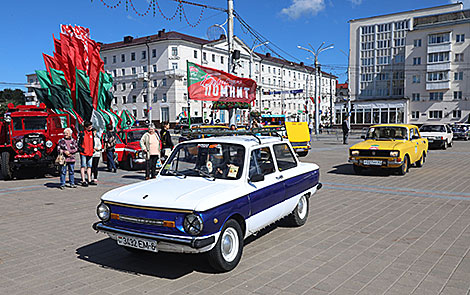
175,173
203,173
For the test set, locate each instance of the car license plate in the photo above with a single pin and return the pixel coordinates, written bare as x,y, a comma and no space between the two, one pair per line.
300,150
137,243
373,162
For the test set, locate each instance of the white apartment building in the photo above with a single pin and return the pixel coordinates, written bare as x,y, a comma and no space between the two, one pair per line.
377,68
31,83
162,58
438,86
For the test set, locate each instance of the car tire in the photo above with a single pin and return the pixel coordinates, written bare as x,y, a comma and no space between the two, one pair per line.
421,161
130,164
404,167
7,172
451,143
358,169
228,250
444,147
298,217
302,154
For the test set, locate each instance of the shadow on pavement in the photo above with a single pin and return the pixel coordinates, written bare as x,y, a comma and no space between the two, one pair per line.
133,176
108,254
347,169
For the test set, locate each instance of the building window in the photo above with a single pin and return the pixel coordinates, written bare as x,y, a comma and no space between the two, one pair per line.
124,101
438,76
435,114
123,72
438,57
132,55
114,59
123,86
416,79
134,113
204,56
415,115
165,114
174,51
154,53
213,57
262,68
417,43
415,97
123,58
114,73
155,83
144,69
222,60
133,71
144,54
436,95
115,100
164,82
164,99
155,97
416,60
439,38
134,85
195,54
460,38
459,57
457,95
458,76
456,114
134,98
174,66
145,84
154,68
144,99
105,60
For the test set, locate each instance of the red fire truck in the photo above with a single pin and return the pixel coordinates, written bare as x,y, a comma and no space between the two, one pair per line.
28,138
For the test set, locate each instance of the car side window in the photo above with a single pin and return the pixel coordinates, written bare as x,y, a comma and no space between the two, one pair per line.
284,157
416,133
261,162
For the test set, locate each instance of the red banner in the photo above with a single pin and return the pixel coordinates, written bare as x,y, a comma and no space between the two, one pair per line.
214,85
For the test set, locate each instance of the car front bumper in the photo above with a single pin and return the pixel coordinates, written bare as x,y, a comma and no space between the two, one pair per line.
189,243
385,162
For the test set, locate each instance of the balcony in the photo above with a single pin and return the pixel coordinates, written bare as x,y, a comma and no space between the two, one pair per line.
142,76
437,85
445,47
437,67
175,73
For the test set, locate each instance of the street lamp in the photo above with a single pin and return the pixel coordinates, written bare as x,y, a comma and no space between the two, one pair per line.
251,54
315,53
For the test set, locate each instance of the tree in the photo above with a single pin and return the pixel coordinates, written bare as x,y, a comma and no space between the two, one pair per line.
15,96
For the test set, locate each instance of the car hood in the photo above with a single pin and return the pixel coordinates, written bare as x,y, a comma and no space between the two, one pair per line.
378,144
134,145
433,134
190,193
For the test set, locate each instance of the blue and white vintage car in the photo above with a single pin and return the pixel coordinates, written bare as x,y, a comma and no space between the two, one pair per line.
209,196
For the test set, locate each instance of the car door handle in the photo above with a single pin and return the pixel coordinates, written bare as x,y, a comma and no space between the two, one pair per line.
279,177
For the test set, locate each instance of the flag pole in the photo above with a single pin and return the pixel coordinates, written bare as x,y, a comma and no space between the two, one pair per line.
187,91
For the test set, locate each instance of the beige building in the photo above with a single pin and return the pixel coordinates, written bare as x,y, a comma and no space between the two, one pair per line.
438,86
377,65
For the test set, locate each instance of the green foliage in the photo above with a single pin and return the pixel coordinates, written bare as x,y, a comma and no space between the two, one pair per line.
15,96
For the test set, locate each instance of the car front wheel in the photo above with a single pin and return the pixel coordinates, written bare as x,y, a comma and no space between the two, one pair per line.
404,167
421,161
227,253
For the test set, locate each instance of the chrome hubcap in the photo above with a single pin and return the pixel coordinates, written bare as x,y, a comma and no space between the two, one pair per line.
229,244
302,207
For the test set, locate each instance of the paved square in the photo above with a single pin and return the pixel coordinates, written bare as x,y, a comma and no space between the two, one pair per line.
366,234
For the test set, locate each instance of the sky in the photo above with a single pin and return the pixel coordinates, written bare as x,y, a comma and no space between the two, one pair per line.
28,26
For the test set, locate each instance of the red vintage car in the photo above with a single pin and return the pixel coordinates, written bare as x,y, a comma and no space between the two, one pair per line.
128,154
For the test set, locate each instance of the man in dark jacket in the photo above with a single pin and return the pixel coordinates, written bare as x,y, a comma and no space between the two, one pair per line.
167,143
109,144
85,147
346,127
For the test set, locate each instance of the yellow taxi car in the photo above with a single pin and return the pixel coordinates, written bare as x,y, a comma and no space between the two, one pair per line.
395,146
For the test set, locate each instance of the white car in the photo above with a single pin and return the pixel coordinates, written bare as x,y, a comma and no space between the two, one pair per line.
210,195
438,135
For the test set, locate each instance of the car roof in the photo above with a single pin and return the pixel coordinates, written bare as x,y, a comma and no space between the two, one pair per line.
245,140
395,125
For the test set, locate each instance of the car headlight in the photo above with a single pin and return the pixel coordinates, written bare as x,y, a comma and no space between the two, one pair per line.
48,144
140,154
103,212
19,145
355,153
192,224
394,153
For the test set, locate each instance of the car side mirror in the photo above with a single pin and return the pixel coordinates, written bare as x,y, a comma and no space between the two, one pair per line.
257,178
363,136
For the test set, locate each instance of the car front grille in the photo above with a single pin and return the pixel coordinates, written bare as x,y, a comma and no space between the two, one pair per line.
374,153
33,141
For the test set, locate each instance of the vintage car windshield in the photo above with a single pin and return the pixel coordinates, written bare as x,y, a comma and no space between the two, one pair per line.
387,133
210,160
30,123
136,135
433,128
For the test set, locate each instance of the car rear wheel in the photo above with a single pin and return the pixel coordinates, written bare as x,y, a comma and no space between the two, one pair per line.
299,216
227,253
358,169
7,172
404,167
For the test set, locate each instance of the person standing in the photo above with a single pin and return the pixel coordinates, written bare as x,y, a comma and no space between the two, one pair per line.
97,147
167,143
151,146
68,147
85,147
346,127
109,141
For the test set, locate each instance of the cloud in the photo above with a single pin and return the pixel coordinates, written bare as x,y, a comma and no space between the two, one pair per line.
466,3
356,2
301,7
